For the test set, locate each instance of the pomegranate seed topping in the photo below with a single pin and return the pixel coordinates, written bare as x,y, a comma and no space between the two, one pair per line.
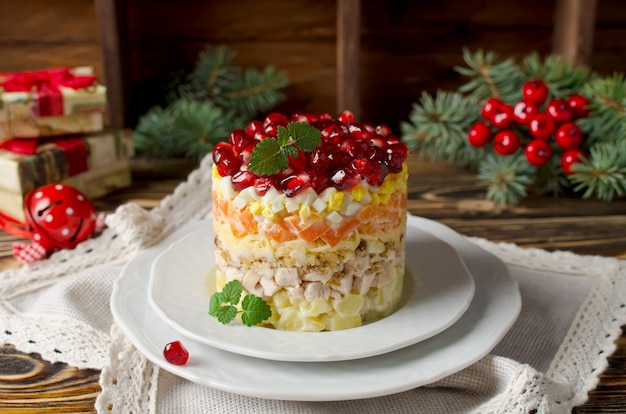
338,159
367,168
396,155
262,185
377,179
239,139
271,129
225,160
346,117
254,127
303,117
378,141
376,154
298,163
175,353
319,160
358,131
383,130
324,117
356,148
345,178
275,118
320,183
294,183
243,179
392,139
246,153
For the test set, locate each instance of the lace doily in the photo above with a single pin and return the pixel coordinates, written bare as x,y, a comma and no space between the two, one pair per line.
59,308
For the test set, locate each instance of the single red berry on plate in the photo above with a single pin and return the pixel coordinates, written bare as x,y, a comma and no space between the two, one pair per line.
538,152
479,135
503,117
346,117
175,353
542,126
524,111
506,142
571,157
535,91
560,110
569,136
489,108
579,105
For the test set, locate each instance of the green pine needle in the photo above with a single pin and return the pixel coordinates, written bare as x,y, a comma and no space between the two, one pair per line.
507,177
152,137
604,174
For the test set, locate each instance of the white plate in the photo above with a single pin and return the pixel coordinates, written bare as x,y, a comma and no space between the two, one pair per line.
442,293
493,310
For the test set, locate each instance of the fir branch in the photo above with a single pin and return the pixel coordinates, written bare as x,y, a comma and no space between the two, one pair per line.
439,125
507,177
561,77
152,137
550,178
213,71
603,174
490,78
607,121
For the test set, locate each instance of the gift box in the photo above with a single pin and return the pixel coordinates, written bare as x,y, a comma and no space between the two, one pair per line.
51,102
28,164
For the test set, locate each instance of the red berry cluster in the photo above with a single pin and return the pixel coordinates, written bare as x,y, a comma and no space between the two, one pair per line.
556,120
348,152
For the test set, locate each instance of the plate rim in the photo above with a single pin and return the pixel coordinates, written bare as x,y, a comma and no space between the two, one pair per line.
327,346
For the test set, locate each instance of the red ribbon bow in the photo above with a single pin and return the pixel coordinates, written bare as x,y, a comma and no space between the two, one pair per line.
46,82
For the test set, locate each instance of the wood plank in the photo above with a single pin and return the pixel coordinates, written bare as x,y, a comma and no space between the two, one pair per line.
348,56
574,25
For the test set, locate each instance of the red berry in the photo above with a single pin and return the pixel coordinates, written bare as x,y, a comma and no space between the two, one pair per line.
383,130
579,105
346,117
175,353
490,108
479,135
571,157
542,126
225,160
319,160
538,152
506,142
243,179
523,112
345,178
560,110
503,117
535,91
294,183
569,136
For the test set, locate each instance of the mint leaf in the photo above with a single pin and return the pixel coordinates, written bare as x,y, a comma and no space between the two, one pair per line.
305,136
255,310
231,293
290,150
283,136
267,158
224,313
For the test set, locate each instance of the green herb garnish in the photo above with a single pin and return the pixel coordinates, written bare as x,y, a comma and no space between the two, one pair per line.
223,305
270,155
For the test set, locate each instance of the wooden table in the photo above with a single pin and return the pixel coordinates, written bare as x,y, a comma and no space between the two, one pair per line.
31,385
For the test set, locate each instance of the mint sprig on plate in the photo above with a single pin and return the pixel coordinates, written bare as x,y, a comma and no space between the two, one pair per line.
269,157
223,305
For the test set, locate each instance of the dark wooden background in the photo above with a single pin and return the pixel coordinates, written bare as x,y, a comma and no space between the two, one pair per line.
406,46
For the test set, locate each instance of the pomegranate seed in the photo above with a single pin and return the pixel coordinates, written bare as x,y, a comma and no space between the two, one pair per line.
275,118
243,179
254,127
379,142
294,183
324,117
298,163
271,129
239,139
338,159
320,183
356,148
246,153
262,185
303,117
225,160
377,179
366,168
358,131
383,130
392,139
346,117
376,154
396,155
345,178
175,353
319,160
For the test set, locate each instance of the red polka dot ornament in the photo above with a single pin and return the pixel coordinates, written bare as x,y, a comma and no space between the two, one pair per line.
58,216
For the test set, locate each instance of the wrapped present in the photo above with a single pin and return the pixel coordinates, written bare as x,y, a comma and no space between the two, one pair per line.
51,102
28,164
93,183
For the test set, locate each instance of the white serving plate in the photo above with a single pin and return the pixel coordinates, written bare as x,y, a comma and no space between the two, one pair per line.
179,294
492,311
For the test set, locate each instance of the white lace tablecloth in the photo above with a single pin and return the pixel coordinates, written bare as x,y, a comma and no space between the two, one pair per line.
572,310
